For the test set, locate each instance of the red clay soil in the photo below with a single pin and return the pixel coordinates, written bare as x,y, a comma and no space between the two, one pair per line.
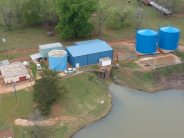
55,109
121,42
6,133
20,59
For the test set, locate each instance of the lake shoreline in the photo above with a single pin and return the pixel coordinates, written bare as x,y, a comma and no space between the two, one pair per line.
102,115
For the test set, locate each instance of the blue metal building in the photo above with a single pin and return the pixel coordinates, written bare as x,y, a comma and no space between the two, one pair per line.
146,41
57,60
168,38
88,52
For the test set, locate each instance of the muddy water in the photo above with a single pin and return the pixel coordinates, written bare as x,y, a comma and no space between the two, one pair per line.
140,115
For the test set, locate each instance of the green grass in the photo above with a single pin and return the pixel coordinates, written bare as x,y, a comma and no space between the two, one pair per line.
131,65
9,111
44,65
33,69
179,54
145,81
76,101
95,67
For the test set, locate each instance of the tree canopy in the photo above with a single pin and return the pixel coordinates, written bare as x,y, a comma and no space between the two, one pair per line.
47,89
74,16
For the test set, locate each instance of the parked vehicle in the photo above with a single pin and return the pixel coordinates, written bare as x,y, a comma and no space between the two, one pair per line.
26,63
39,67
69,70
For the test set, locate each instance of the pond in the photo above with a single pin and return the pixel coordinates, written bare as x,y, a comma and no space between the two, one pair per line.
138,114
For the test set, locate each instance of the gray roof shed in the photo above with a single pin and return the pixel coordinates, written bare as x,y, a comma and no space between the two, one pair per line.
4,63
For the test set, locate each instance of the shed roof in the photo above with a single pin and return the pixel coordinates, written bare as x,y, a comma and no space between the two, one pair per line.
13,70
88,42
4,63
90,47
35,56
147,32
170,29
146,1
160,7
53,45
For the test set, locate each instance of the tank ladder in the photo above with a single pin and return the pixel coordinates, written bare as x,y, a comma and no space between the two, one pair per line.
60,61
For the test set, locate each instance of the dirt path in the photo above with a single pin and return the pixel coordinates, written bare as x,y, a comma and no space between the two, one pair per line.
121,42
8,89
48,122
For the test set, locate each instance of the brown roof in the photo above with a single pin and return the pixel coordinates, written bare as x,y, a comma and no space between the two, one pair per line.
146,1
13,70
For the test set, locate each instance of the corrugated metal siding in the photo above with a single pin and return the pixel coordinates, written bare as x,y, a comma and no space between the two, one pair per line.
93,58
69,58
82,60
107,54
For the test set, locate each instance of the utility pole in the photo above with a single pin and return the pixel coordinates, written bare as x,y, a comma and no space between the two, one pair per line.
15,93
4,40
24,132
87,80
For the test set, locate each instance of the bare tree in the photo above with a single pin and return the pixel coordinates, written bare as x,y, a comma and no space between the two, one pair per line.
18,7
103,14
7,15
139,16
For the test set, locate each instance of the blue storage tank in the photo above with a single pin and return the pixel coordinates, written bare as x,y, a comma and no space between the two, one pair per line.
168,38
146,41
57,60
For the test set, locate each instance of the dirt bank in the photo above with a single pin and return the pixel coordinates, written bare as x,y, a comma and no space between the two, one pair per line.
151,81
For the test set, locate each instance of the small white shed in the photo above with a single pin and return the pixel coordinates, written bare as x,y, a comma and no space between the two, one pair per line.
105,61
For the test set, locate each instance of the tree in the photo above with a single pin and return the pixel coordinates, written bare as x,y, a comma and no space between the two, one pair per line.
103,13
47,89
119,16
31,12
74,16
139,2
18,7
7,13
139,16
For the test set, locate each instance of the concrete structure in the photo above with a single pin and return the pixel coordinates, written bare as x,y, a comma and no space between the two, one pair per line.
57,60
88,52
14,72
160,8
168,38
105,61
45,49
146,41
4,63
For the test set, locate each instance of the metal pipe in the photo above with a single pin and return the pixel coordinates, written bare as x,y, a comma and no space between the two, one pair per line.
117,56
15,92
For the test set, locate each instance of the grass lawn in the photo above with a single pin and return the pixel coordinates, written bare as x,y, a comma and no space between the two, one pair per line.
179,54
95,67
75,102
9,111
32,37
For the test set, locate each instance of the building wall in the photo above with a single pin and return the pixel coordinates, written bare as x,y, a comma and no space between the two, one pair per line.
93,58
82,60
88,59
44,52
70,58
13,79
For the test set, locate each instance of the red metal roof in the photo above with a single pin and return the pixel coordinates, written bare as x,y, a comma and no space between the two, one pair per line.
146,1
